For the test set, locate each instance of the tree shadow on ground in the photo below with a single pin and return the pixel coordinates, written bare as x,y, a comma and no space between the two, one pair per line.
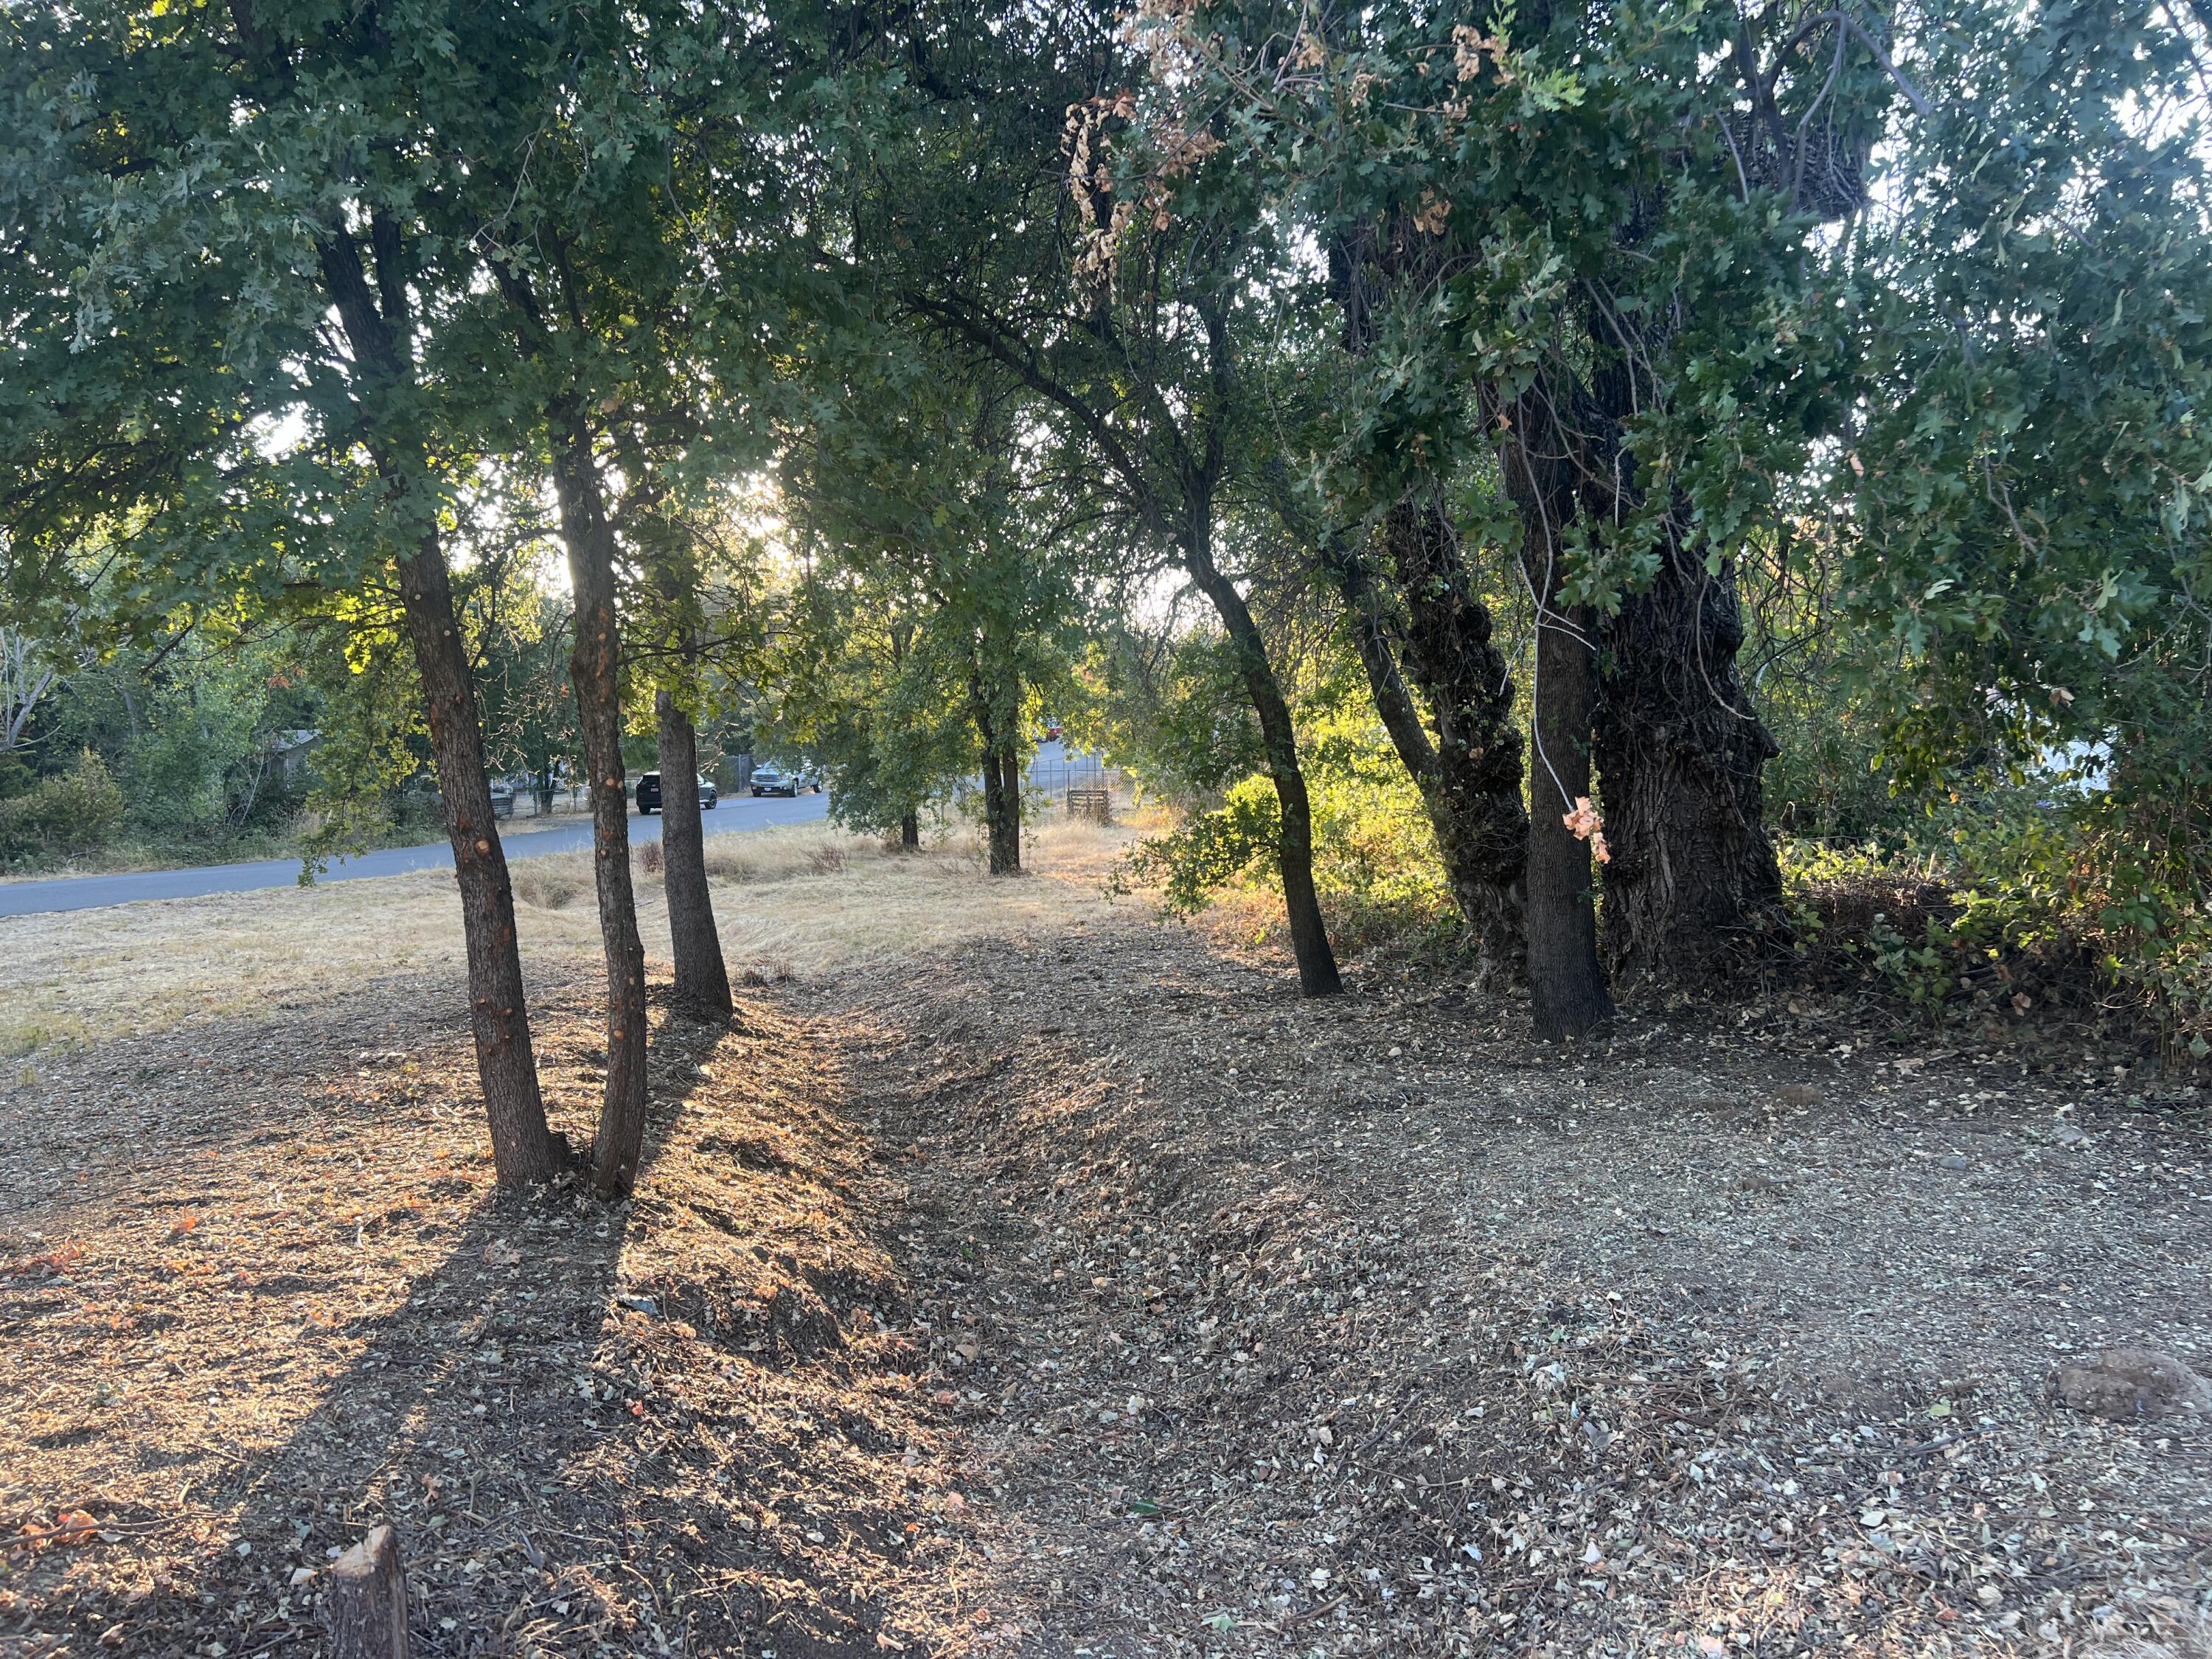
674,1424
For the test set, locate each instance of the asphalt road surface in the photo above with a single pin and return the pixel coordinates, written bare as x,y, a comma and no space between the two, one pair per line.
25,898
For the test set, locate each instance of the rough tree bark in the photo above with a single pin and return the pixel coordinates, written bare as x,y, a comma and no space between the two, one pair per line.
1473,790
595,670
1693,894
702,980
910,833
1484,859
524,1148
1002,805
1567,991
1317,971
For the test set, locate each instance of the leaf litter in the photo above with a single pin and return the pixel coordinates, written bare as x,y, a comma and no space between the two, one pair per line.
1094,1295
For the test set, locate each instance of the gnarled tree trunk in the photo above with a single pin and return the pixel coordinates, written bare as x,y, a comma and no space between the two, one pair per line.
702,980
1693,894
1474,789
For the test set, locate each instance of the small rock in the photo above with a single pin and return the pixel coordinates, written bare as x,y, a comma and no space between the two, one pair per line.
1955,1163
1759,1181
1797,1094
2125,1383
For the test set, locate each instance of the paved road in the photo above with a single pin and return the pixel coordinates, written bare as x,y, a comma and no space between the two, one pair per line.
25,898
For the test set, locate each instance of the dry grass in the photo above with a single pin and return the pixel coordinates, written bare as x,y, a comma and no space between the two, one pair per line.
1032,1279
801,900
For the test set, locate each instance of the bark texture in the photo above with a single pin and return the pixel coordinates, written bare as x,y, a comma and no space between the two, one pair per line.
1567,993
702,980
1567,990
524,1148
595,670
1694,895
1002,790
1472,788
1316,961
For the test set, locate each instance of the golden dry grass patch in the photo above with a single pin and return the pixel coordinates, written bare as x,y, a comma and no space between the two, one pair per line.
805,899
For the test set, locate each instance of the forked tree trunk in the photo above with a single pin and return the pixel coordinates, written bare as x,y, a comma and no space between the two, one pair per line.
1002,823
702,980
1474,788
595,669
1317,970
1694,895
524,1148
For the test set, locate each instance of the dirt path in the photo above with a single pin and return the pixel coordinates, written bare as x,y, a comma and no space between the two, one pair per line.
1083,1291
1365,1328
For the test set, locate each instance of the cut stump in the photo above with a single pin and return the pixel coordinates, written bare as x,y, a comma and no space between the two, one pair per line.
368,1600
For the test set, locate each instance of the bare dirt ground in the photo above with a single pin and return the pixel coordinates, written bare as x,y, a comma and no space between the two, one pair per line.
1026,1276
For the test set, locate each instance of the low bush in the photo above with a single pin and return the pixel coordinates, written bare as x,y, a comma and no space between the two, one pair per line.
65,816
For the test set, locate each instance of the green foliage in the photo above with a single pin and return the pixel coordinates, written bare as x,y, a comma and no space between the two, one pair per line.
2015,901
1173,713
1375,856
72,813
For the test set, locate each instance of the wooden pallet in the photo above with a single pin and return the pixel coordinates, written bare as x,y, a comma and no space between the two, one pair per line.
1095,803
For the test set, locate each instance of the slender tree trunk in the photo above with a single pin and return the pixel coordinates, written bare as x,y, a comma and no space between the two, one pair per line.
1567,991
1317,971
524,1148
1010,790
1693,894
595,669
702,980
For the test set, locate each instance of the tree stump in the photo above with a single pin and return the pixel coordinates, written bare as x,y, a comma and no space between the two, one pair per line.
368,1600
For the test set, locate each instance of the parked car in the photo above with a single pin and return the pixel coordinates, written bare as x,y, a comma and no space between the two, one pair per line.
648,793
422,791
769,779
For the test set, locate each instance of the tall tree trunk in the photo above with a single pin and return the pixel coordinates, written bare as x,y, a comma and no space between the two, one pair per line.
1475,790
1317,971
1693,894
1002,805
595,669
524,1148
702,980
1567,991
1009,789
910,832
1566,986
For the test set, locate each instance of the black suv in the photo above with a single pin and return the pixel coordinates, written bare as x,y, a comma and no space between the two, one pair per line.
648,793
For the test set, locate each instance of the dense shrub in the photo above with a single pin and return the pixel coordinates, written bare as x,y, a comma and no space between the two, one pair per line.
72,813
